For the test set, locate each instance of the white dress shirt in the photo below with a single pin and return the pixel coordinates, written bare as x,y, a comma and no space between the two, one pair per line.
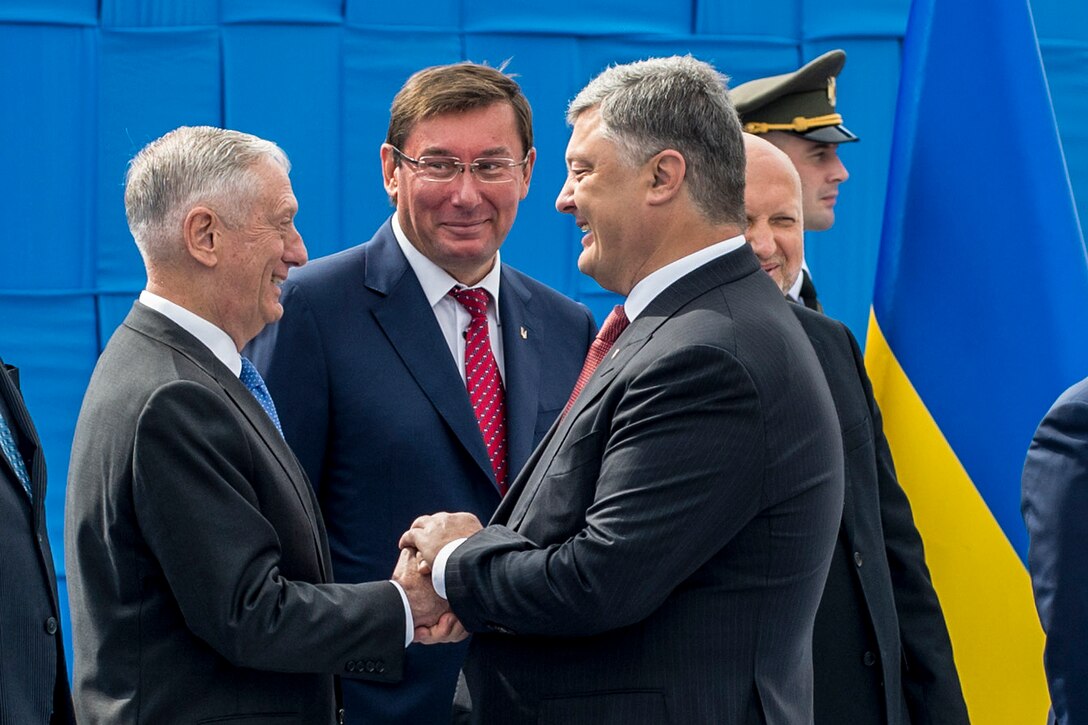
794,292
451,315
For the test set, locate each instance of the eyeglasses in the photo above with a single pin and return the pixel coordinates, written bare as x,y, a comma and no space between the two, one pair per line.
447,168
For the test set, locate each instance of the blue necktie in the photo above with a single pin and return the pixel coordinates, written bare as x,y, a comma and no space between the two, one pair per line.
11,452
252,380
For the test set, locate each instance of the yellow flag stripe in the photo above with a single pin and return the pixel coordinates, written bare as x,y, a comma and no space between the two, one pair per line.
984,588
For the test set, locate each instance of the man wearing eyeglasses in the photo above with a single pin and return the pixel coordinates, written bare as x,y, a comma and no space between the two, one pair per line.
415,373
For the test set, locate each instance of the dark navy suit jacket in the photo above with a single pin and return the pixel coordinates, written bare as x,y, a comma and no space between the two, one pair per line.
1055,508
374,406
32,669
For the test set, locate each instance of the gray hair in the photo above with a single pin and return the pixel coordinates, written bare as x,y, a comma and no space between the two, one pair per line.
675,103
189,166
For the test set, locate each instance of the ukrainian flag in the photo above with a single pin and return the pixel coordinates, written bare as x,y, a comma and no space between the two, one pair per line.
979,321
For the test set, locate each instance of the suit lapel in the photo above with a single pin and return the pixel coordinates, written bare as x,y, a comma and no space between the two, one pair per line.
512,507
161,328
824,354
730,267
409,324
520,498
25,433
522,354
808,292
33,457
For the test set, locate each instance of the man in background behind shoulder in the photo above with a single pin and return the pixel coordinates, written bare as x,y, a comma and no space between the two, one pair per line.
417,372
880,651
33,676
796,112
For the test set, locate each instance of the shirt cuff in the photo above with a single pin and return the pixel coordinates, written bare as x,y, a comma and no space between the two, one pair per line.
409,623
438,569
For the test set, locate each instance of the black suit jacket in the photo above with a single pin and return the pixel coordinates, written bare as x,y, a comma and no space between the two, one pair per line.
661,556
807,293
33,675
881,650
197,561
372,402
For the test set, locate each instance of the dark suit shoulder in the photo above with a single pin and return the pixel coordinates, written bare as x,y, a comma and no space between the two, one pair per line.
820,326
345,264
548,298
1074,396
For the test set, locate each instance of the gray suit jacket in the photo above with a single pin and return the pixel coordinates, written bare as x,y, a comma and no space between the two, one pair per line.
196,556
661,556
33,676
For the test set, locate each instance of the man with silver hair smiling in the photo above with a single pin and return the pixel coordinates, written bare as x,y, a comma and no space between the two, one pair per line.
197,562
661,557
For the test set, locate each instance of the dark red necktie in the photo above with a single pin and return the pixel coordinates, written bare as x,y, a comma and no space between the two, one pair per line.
483,382
613,326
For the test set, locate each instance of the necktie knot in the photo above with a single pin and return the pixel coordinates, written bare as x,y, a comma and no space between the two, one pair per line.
255,383
474,300
613,327
11,452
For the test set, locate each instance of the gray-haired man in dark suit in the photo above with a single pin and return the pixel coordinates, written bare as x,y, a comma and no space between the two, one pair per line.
198,566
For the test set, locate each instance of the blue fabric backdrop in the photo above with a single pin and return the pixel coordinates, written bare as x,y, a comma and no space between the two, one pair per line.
86,83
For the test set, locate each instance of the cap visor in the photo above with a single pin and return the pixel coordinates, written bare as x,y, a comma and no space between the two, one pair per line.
829,134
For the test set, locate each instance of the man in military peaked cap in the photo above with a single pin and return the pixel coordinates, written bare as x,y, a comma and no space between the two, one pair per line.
796,112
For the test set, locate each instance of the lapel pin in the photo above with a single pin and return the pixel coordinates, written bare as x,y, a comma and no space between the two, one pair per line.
524,334
615,353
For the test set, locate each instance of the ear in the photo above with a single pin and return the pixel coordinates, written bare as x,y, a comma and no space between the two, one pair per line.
202,231
389,167
528,173
669,169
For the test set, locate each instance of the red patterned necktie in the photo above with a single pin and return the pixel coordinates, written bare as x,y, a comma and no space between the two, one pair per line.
483,382
613,326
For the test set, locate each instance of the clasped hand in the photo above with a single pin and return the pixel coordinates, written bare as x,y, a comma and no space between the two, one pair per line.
434,622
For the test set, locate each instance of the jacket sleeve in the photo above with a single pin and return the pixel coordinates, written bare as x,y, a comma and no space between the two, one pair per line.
219,512
1055,508
657,495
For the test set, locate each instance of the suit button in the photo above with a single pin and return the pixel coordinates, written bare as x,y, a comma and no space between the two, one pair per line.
379,667
370,665
857,558
869,659
51,626
350,666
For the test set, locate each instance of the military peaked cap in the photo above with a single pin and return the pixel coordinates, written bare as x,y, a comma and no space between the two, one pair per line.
801,102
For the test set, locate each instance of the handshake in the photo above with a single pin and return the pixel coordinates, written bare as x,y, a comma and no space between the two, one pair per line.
420,544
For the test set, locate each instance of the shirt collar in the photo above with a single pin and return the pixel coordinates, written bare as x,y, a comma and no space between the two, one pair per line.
643,293
212,337
437,282
794,292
